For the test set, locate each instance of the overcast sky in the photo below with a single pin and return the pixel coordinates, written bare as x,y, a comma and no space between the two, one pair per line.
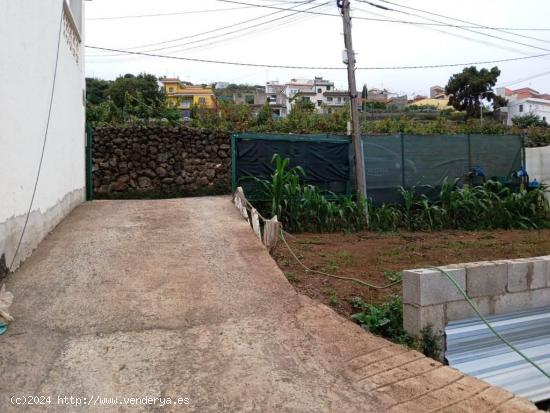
316,40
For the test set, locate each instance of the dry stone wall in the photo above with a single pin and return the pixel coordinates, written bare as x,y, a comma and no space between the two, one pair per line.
160,161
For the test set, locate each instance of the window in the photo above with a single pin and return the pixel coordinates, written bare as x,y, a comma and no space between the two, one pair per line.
249,99
319,90
328,88
329,99
544,118
171,90
202,100
521,108
319,102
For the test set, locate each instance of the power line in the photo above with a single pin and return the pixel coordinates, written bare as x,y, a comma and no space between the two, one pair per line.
523,79
460,36
477,25
43,145
462,28
214,30
203,46
388,20
237,30
130,52
167,14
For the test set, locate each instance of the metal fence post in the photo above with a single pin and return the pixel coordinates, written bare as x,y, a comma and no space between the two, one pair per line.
89,164
233,163
403,177
469,153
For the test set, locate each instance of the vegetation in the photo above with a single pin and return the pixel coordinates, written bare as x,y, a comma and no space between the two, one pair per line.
128,99
304,208
468,89
528,121
489,206
386,320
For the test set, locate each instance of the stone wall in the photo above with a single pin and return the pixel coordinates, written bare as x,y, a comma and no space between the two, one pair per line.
497,287
159,161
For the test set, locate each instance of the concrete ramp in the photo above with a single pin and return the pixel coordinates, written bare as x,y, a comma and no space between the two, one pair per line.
178,299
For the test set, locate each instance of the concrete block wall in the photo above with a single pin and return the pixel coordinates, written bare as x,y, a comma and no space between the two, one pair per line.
497,287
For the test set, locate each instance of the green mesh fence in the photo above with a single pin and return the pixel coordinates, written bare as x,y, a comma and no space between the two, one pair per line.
391,161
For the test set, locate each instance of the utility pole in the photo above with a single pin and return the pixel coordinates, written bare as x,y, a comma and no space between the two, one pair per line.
360,185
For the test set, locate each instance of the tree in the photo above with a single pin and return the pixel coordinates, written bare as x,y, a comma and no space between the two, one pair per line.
97,90
529,120
468,89
264,114
143,85
364,97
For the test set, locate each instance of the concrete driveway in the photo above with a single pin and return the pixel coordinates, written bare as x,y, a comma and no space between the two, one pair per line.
178,299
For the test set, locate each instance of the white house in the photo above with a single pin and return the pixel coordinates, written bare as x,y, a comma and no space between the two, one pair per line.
42,120
319,91
525,101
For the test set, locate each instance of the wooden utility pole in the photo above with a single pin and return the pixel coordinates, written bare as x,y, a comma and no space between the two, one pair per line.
360,186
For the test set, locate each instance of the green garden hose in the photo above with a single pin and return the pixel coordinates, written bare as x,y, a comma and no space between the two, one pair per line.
355,280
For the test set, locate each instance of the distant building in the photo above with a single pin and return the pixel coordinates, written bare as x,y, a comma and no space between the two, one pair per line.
221,85
439,103
183,96
437,92
319,91
525,101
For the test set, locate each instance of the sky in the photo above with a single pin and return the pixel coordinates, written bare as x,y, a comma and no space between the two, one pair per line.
303,39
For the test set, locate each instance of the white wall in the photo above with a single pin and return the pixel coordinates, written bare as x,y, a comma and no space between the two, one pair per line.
537,161
28,43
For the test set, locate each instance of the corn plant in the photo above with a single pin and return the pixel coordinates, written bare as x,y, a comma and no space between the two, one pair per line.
302,207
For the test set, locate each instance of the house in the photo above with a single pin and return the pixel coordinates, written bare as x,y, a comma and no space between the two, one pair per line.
42,130
318,91
525,101
439,103
437,92
184,95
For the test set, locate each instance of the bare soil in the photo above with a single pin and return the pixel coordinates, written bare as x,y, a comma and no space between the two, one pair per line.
376,257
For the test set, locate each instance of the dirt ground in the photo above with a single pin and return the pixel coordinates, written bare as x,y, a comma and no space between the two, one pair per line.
376,257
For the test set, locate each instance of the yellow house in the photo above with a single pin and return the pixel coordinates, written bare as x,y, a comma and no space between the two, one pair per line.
440,104
183,96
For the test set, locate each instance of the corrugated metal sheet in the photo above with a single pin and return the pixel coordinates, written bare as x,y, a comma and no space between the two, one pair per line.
474,350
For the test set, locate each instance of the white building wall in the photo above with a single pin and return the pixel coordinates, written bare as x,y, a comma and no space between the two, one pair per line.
28,43
537,107
537,162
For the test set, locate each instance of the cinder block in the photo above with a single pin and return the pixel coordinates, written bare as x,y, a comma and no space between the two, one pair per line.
428,287
486,278
539,298
460,310
517,275
415,318
536,275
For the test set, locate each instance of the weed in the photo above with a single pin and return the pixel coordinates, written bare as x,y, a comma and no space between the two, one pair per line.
331,266
344,257
392,276
429,343
357,302
292,277
385,320
333,299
